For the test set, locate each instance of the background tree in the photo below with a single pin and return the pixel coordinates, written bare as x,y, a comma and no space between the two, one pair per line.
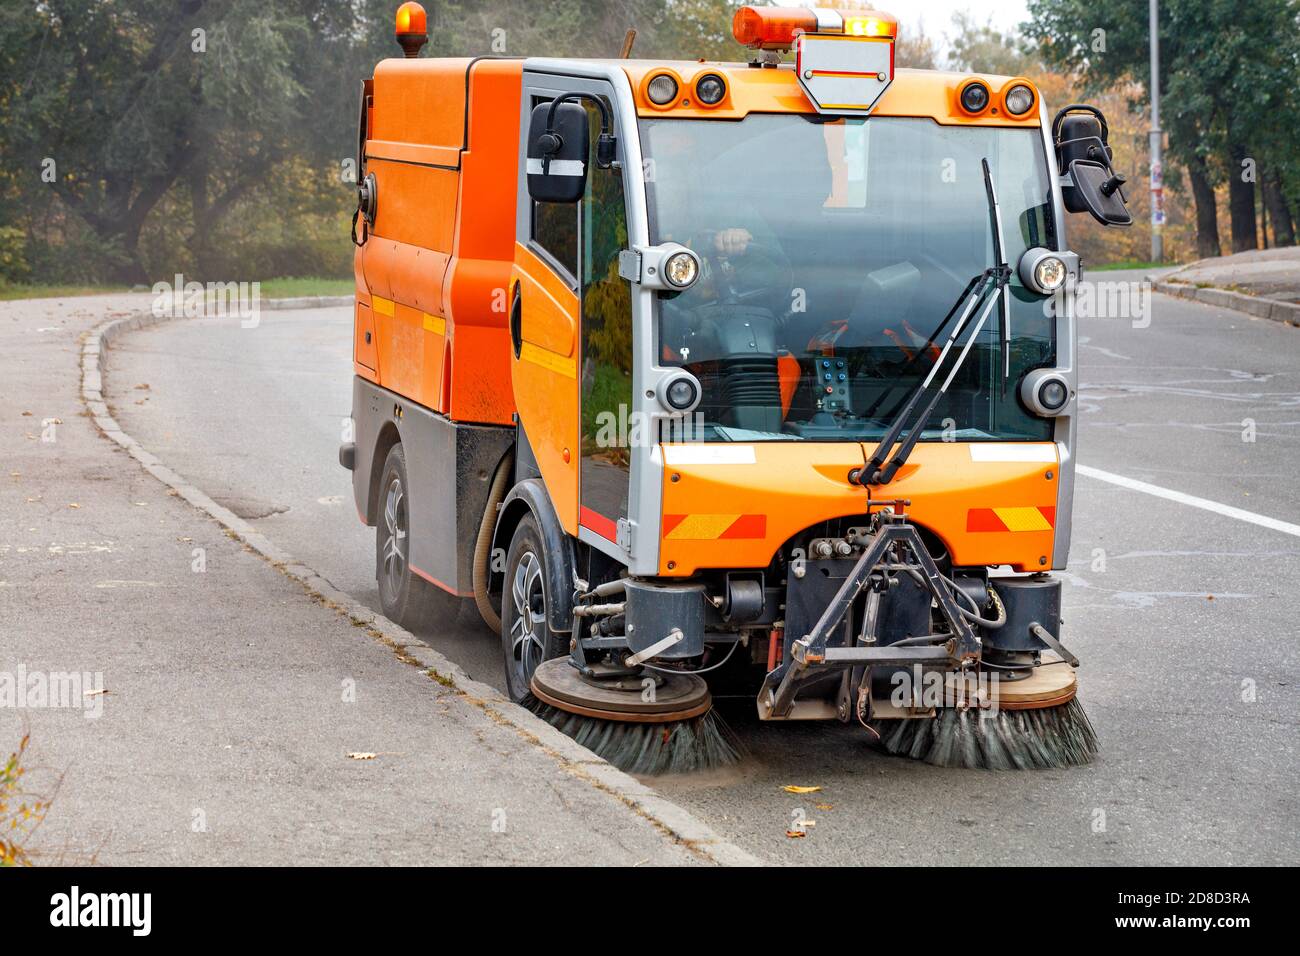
213,137
1227,71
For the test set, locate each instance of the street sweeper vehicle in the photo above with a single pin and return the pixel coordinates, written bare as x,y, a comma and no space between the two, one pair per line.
718,380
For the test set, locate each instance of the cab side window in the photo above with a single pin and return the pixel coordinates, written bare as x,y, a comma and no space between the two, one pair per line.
555,231
606,340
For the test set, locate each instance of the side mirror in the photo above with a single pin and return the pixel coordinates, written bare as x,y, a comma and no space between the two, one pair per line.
557,157
1097,188
1083,154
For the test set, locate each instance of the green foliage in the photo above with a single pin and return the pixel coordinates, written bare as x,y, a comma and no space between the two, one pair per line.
1228,74
20,811
220,154
9,293
13,255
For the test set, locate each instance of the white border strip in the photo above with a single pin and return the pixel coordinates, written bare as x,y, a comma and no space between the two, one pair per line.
692,454
1183,499
1044,452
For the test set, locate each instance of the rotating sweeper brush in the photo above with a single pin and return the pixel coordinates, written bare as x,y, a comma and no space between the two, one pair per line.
1033,723
640,721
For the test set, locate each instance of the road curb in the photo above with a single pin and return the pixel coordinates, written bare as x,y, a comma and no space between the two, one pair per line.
672,820
1253,305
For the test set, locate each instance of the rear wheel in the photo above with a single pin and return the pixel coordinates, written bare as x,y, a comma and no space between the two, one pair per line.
406,597
526,635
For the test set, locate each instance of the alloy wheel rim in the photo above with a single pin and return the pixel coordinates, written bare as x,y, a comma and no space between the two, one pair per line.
529,601
394,556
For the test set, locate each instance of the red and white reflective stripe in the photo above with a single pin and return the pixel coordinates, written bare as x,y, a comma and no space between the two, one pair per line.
1040,518
714,527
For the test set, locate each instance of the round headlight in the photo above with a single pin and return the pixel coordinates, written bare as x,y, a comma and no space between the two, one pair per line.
662,90
1052,394
1019,100
681,392
1043,271
1045,392
710,89
681,269
1049,273
974,97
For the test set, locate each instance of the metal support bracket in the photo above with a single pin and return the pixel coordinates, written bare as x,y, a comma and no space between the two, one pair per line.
811,654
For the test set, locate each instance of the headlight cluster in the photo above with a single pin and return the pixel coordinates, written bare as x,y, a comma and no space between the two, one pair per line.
680,392
1018,98
681,269
1043,271
1045,392
665,90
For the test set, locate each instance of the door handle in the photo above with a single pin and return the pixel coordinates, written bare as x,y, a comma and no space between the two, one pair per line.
516,320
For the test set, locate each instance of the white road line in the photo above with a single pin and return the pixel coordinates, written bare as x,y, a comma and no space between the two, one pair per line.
1227,510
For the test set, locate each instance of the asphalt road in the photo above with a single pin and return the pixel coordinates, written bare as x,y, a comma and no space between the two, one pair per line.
189,702
1186,619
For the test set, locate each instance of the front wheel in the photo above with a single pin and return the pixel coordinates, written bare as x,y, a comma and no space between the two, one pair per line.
406,597
526,635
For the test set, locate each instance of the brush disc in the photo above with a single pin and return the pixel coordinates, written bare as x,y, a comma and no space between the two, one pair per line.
1038,724
677,697
1044,687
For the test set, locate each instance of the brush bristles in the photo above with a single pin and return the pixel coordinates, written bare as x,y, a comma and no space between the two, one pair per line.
700,743
1010,740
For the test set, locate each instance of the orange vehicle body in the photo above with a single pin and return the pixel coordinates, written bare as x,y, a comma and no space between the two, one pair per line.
431,323
434,283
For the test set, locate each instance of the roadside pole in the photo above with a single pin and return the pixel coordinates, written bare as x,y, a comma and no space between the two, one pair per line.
1157,166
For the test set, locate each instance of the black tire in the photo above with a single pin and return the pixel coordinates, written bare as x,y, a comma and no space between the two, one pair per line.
406,597
526,635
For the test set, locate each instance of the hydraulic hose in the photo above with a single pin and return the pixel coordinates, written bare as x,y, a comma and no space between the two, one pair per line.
483,544
974,616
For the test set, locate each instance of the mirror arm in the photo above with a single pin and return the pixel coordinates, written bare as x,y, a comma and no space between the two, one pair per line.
605,144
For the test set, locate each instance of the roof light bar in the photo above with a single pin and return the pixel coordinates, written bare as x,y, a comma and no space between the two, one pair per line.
775,28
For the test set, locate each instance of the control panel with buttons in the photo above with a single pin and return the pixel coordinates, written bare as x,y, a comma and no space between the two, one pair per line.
833,384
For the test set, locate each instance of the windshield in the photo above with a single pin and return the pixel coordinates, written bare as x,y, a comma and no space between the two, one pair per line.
832,251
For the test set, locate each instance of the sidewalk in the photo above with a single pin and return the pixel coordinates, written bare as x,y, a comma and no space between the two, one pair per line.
1264,283
233,697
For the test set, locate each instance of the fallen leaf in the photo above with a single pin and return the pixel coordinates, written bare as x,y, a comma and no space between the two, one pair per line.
73,504
795,834
794,789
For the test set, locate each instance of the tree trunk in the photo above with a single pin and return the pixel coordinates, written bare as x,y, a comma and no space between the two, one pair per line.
200,240
1241,200
1275,203
1207,213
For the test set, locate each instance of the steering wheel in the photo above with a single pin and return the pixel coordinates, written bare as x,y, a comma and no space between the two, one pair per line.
745,279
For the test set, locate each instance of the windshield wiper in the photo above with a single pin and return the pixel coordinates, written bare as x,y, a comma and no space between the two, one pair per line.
989,288
1000,258
924,349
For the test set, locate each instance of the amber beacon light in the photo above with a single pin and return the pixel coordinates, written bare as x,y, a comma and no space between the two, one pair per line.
776,28
412,28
